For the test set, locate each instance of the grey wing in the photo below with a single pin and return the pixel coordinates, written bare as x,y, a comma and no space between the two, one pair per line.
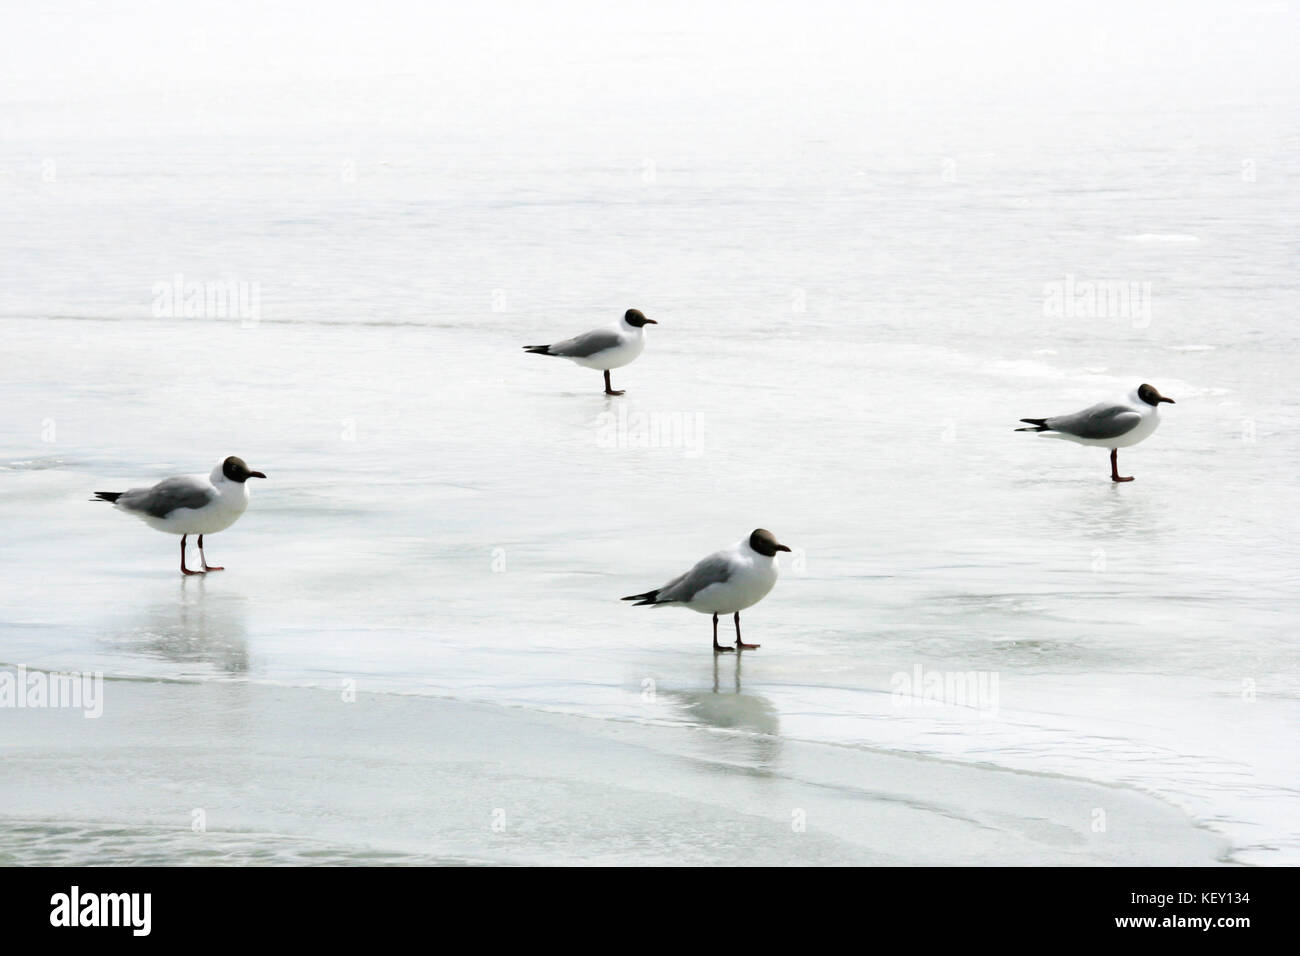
715,569
587,344
1098,422
168,495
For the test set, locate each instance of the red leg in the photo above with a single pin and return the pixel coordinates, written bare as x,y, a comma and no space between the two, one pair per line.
1114,466
743,647
609,389
184,569
204,558
716,646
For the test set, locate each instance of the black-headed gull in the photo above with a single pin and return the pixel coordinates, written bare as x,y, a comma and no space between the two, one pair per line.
190,504
1112,425
603,349
726,582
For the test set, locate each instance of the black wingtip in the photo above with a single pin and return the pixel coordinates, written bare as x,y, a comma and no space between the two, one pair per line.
1040,425
109,496
647,598
538,349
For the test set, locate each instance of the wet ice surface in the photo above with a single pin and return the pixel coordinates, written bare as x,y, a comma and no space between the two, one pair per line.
441,553
221,774
853,319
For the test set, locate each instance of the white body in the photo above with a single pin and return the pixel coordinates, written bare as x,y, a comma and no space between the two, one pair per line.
1150,419
753,576
220,513
631,344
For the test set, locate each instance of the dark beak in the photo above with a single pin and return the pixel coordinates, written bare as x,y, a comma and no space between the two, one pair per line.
651,322
256,474
1169,400
781,547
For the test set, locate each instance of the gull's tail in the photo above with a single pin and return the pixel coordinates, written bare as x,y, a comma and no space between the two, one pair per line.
1040,425
649,597
538,349
109,496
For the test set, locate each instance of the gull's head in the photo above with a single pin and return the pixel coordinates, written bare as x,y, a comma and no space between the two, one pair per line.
234,469
764,542
636,318
1148,394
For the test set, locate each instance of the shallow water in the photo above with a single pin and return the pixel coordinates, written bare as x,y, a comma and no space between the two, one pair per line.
246,773
854,315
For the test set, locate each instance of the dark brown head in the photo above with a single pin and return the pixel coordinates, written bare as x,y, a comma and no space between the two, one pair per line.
235,470
764,542
636,319
1149,395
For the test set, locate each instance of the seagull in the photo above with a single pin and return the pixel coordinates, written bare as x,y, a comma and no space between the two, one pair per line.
603,348
1112,425
190,504
726,582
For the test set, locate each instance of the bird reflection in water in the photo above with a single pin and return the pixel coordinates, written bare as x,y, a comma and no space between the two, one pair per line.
196,628
726,706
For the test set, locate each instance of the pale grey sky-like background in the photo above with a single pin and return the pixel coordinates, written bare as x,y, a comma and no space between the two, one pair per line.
159,70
